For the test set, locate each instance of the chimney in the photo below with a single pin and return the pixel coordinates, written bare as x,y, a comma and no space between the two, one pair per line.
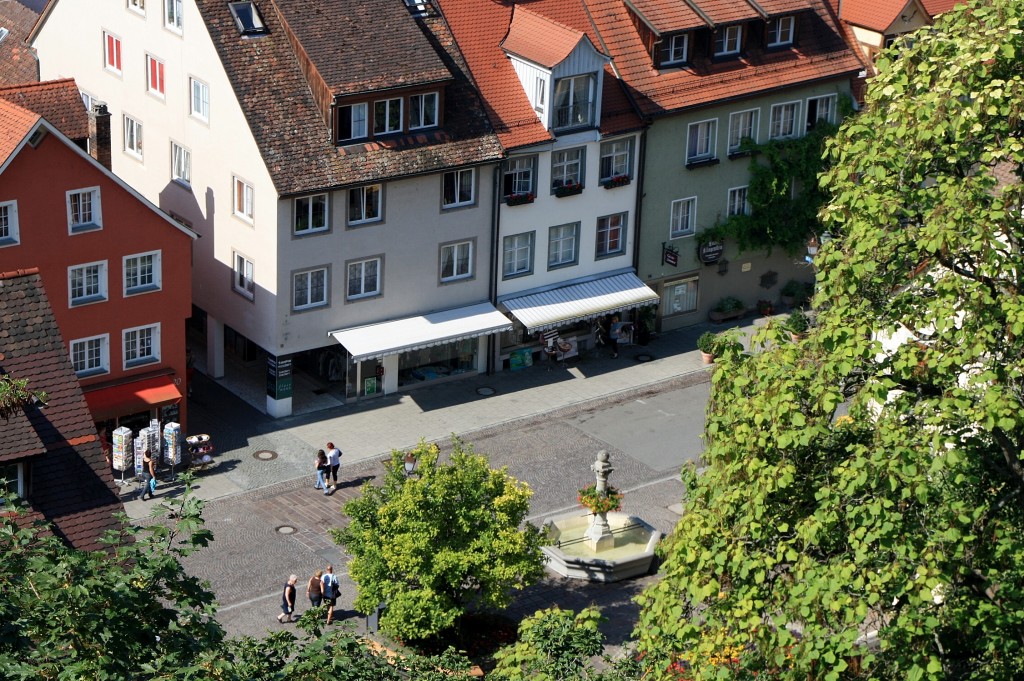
99,143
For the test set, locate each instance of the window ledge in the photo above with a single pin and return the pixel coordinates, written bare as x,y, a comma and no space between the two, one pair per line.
136,363
733,155
613,182
8,241
142,289
89,300
519,199
703,163
564,191
85,227
92,372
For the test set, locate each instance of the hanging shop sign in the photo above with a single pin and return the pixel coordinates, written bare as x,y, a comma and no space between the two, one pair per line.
669,255
709,252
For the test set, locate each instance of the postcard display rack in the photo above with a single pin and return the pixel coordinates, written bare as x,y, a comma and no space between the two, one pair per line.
149,438
172,445
122,449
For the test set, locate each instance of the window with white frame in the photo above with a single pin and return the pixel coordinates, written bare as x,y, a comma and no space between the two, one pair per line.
616,159
87,283
244,199
351,122
458,188
701,141
387,116
783,119
821,109
780,31
12,482
563,245
181,163
87,99
200,99
679,296
727,40
154,75
742,126
363,278
574,101
311,214
364,204
90,356
540,90
84,210
517,255
518,176
457,261
173,15
683,219
132,136
309,289
112,53
142,273
567,167
244,276
141,345
610,232
737,202
9,233
138,6
677,49
423,111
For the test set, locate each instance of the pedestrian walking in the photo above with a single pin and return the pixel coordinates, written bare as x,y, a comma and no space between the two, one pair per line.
619,331
322,469
288,600
315,589
330,590
148,475
334,461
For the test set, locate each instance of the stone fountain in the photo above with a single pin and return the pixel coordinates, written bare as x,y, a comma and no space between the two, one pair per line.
600,547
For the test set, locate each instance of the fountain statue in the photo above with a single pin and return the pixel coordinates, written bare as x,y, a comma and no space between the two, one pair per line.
603,545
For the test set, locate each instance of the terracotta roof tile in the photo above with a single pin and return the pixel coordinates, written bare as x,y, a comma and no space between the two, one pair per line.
666,16
874,14
18,64
727,11
70,484
349,62
15,123
539,39
58,101
291,132
937,7
821,53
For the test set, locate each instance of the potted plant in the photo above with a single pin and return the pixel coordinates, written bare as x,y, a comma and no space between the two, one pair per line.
568,188
706,344
615,181
727,308
796,292
519,199
765,307
596,502
798,323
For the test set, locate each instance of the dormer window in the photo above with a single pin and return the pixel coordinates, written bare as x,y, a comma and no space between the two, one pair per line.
780,32
574,102
387,116
677,49
727,40
423,111
352,122
248,19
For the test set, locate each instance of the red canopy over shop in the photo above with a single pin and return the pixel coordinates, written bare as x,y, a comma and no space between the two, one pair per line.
129,398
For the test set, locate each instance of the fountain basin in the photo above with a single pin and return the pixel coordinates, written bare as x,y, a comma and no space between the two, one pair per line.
630,554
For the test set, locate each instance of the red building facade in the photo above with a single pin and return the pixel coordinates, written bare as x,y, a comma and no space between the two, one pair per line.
117,270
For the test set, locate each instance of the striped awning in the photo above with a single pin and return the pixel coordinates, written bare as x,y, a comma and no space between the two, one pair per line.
570,304
424,331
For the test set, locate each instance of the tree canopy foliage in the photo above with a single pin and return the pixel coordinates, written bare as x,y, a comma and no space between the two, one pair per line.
436,543
887,542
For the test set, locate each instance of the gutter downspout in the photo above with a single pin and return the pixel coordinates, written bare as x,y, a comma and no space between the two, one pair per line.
492,292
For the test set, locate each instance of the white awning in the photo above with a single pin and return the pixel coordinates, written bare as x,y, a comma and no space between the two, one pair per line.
569,304
413,333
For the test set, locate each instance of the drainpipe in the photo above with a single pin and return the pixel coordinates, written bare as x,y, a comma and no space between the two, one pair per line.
495,245
641,157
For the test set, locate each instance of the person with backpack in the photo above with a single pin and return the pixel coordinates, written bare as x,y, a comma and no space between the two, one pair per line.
330,589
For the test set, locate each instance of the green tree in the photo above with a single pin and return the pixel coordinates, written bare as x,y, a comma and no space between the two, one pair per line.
444,540
810,536
14,394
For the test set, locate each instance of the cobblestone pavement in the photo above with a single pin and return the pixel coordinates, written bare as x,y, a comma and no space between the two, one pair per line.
269,522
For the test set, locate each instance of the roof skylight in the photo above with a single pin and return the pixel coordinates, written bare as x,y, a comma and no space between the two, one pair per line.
248,18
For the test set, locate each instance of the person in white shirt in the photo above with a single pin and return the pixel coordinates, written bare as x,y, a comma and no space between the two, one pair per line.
334,461
330,590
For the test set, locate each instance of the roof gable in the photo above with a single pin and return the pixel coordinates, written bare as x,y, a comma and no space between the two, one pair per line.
15,125
541,40
58,101
877,15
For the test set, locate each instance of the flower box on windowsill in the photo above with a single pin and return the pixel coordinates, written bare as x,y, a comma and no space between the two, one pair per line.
617,181
519,199
564,190
702,163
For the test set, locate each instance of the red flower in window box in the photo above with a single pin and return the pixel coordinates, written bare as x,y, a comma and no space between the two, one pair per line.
616,181
519,199
569,188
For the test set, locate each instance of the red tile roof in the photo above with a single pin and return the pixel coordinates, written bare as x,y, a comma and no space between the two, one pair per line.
58,101
666,16
820,53
69,481
15,123
539,39
937,7
480,27
292,135
877,15
727,11
18,64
